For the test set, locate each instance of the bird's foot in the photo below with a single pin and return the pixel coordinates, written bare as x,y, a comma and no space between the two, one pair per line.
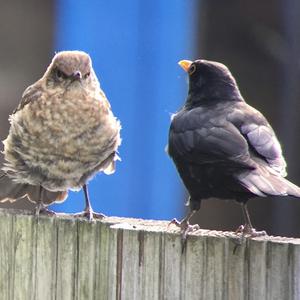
246,231
47,212
185,226
174,222
42,210
249,231
185,229
89,214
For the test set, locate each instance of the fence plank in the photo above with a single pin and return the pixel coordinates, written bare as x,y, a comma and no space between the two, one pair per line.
45,259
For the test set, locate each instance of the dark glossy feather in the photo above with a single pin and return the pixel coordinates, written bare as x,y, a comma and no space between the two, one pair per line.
221,146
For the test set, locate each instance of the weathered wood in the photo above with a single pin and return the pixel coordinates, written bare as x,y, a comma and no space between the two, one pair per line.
117,258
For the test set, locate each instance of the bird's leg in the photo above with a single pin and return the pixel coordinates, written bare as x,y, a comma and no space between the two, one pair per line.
248,224
39,203
247,229
88,211
41,209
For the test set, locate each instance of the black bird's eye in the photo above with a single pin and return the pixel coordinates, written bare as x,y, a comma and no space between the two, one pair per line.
192,69
87,75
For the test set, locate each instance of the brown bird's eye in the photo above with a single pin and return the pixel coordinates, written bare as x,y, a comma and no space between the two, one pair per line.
87,75
59,74
192,69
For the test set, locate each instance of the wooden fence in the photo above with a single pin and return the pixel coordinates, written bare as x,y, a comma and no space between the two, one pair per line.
62,258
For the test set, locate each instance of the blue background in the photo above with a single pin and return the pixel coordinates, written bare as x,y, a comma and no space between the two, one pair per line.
135,46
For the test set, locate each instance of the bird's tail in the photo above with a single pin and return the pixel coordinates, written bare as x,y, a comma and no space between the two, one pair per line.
12,191
263,183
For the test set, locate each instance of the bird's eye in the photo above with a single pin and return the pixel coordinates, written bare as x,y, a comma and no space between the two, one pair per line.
192,69
87,75
59,74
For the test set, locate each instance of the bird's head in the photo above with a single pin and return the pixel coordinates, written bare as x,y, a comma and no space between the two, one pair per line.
210,81
71,69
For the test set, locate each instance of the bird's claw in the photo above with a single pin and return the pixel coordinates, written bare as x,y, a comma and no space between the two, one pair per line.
185,229
240,229
174,222
246,231
89,214
42,210
47,212
249,231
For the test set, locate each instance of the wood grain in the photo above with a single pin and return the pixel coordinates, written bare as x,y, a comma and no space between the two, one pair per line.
116,258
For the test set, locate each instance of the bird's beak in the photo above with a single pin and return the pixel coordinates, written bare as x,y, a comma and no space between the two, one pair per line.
77,75
185,64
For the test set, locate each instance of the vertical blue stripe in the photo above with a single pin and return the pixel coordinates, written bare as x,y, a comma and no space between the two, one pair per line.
135,46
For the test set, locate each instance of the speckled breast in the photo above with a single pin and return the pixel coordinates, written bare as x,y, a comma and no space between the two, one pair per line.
60,139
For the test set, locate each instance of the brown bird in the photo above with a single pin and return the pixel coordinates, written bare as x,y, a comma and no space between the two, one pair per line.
222,147
62,133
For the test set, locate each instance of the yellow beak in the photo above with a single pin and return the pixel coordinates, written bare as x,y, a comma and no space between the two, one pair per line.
185,64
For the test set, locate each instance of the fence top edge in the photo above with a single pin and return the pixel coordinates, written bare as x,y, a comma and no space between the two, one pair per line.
148,226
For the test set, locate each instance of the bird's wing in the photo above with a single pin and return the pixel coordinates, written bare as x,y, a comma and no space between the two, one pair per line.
262,140
200,139
265,152
32,93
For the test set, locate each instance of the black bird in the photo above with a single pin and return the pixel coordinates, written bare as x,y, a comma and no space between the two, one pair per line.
222,147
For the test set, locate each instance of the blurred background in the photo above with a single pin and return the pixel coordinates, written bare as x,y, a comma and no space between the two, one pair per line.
135,46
